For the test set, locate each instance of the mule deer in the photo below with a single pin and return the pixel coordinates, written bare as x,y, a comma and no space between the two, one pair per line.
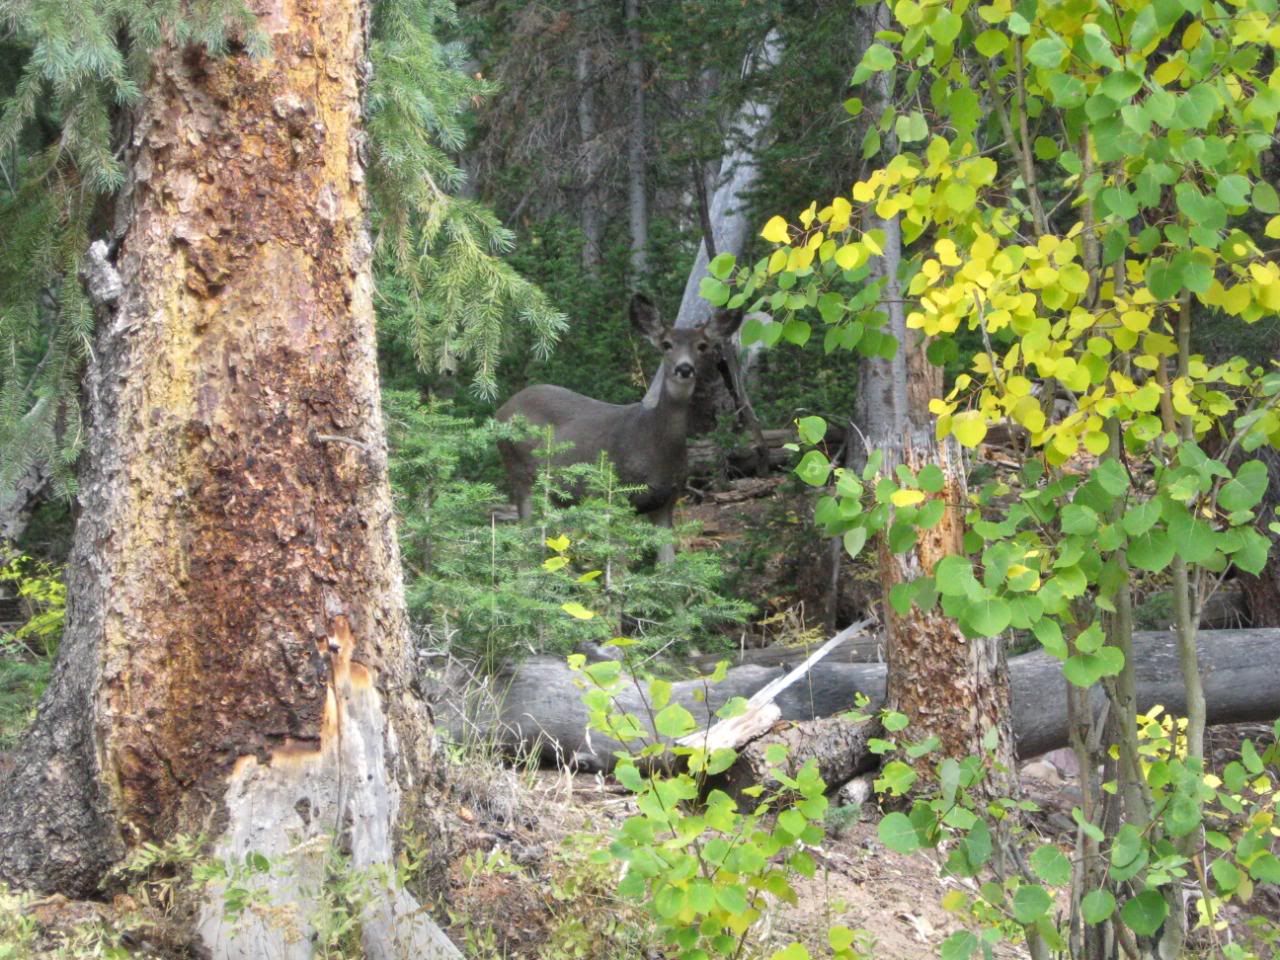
646,444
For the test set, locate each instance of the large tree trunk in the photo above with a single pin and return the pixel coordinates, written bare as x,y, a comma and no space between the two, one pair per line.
537,707
236,659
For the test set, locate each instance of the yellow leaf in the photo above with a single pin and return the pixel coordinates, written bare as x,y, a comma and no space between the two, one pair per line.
906,498
1028,413
558,544
947,253
969,427
841,210
873,240
851,256
777,260
576,610
1237,299
807,216
775,231
1096,442
863,191
939,406
799,258
1273,228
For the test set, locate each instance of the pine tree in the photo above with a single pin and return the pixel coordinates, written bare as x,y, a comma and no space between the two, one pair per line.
70,76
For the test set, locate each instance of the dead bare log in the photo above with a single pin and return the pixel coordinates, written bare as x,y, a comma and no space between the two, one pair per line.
537,707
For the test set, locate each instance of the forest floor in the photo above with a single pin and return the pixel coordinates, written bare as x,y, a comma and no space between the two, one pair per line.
523,885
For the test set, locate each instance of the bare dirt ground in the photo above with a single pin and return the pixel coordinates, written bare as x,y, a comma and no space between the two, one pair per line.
523,886
508,884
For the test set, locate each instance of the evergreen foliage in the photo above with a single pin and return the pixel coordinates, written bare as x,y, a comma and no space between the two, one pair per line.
572,575
71,73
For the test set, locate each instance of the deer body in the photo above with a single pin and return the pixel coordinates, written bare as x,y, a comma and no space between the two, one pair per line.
646,444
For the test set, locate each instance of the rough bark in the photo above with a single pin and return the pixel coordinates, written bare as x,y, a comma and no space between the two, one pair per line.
637,138
536,707
591,212
236,660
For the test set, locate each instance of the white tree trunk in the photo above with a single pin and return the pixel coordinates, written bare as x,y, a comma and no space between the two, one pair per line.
738,172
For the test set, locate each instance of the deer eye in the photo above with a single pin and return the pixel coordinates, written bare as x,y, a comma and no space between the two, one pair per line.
702,346
666,344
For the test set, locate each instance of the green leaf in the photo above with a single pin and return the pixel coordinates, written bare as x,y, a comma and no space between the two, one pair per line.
1122,85
931,479
854,540
1051,865
1141,517
911,127
878,58
990,42
1129,853
1197,106
1145,912
1265,198
715,291
1250,554
814,468
1225,875
1152,551
721,266
1030,902
1047,52
1192,538
898,833
959,946
1245,489
674,721
1066,91
1266,868
1097,905
1078,519
1112,477
988,617
1233,190
812,429
945,28
1049,633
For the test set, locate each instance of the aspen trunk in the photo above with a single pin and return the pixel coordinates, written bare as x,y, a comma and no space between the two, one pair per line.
951,687
236,661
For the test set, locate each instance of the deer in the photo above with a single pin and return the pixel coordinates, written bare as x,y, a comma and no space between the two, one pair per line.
645,443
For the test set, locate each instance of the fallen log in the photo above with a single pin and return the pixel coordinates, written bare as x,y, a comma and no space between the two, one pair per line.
536,707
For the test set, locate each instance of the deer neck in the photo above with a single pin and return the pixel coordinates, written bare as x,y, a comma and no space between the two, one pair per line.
670,417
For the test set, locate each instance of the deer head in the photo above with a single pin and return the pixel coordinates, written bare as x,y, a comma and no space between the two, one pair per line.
685,351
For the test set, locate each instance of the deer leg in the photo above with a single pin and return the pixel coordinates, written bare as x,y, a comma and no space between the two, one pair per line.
524,504
663,517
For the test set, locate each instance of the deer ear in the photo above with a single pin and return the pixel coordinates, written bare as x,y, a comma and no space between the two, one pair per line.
644,318
724,323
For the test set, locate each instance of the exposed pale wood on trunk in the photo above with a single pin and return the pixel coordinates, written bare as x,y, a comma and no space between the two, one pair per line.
762,710
236,660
